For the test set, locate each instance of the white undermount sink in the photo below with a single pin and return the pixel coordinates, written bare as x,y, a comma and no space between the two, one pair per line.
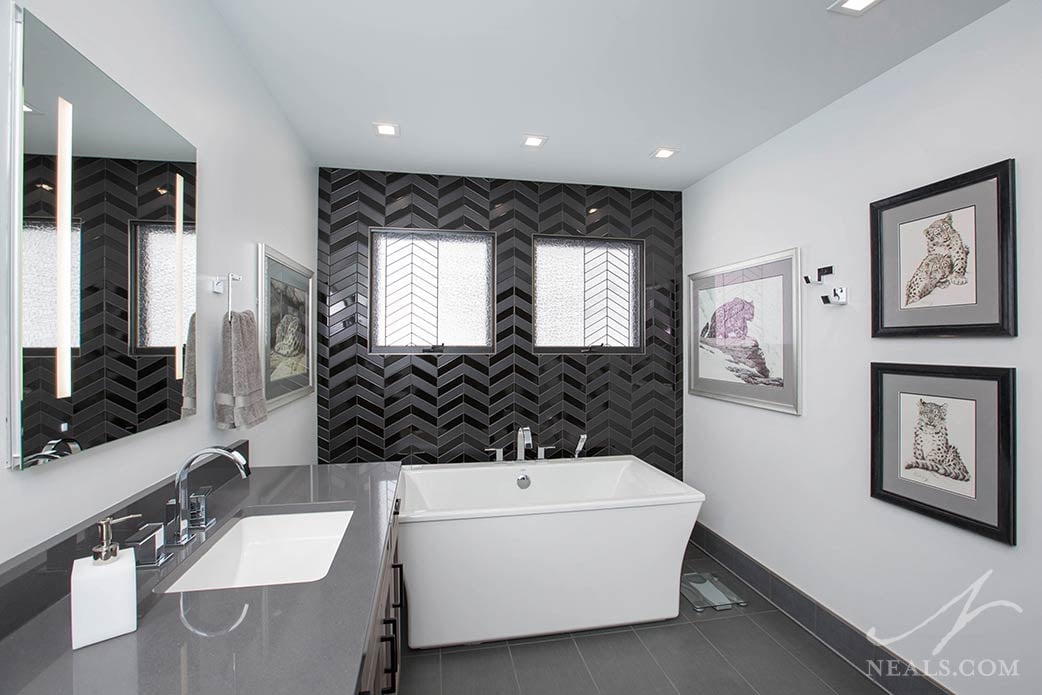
268,549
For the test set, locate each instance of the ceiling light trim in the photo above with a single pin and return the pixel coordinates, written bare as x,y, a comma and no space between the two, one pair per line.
852,8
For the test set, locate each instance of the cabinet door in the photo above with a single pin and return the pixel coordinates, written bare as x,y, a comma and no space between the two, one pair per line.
381,663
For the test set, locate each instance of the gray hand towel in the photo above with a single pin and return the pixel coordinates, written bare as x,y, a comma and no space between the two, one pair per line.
239,401
188,383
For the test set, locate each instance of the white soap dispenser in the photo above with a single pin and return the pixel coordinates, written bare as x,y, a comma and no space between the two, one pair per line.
104,590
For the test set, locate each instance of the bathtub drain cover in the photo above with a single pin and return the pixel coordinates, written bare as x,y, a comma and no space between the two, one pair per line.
708,590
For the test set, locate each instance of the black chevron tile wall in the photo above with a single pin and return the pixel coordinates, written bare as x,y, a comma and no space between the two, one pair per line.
115,392
444,408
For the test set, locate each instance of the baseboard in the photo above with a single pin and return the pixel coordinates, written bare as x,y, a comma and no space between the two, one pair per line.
883,667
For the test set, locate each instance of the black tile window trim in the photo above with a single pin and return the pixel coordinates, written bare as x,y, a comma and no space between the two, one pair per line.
830,629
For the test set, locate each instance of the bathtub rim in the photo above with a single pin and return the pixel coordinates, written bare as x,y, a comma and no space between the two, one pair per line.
690,495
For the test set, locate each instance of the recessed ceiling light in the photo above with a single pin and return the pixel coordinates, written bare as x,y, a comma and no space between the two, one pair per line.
663,153
534,140
852,7
592,210
390,129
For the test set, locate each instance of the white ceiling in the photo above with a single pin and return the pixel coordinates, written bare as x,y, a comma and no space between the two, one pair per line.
606,80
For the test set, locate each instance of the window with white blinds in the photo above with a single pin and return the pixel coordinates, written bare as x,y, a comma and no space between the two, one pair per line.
431,291
589,294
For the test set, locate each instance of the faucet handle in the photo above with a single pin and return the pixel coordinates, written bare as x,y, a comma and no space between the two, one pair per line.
148,545
541,455
581,445
498,451
198,514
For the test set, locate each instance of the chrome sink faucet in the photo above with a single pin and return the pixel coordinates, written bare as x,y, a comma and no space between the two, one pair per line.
181,503
524,441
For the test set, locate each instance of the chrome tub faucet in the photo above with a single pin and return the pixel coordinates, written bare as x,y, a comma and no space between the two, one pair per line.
524,441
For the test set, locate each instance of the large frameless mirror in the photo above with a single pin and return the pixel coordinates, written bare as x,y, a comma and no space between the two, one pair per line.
105,249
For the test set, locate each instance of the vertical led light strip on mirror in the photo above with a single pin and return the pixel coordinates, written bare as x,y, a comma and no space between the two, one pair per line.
63,214
179,277
11,257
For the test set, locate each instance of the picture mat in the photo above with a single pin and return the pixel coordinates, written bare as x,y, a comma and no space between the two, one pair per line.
983,196
984,508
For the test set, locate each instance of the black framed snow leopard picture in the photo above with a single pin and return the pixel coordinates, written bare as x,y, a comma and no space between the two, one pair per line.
943,444
944,257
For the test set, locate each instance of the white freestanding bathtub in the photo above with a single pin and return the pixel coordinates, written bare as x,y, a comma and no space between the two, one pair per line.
590,543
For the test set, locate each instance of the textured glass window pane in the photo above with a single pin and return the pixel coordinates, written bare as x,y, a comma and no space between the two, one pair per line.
156,299
588,292
39,283
431,288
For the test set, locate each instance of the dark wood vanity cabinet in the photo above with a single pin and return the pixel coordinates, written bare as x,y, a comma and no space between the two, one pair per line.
382,660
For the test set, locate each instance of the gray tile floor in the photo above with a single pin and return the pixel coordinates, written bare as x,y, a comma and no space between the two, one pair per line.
755,650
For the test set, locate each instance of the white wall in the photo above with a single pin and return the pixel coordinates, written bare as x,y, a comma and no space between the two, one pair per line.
256,183
793,492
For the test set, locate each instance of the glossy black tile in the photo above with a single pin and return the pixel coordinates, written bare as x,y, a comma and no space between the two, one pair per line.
444,408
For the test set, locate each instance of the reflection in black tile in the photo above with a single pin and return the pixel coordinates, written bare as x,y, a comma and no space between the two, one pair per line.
693,665
622,665
551,668
478,672
421,675
763,662
843,677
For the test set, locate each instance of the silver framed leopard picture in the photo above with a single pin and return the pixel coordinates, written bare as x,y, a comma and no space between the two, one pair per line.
943,444
944,257
286,299
744,333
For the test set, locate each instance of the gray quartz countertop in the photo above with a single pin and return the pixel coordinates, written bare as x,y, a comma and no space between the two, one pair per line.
304,638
